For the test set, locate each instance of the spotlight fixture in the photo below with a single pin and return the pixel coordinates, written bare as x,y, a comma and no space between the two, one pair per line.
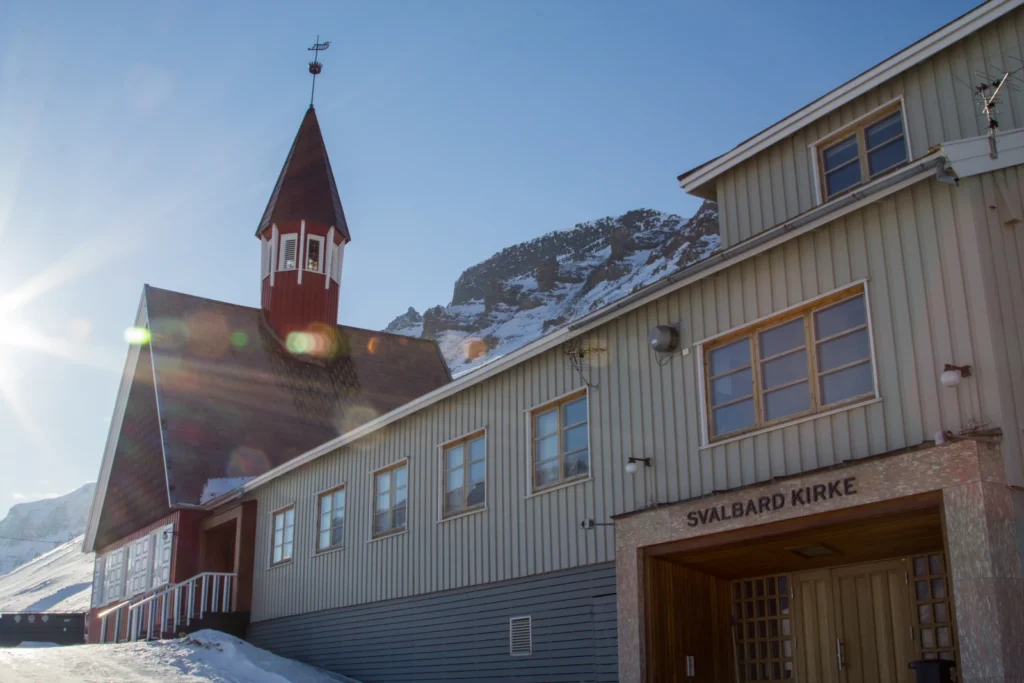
951,374
631,464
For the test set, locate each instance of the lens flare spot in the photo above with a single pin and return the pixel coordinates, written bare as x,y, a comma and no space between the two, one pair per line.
373,346
246,461
239,339
474,348
209,334
137,336
170,333
318,340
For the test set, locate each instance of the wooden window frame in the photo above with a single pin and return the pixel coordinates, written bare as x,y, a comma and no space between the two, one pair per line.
857,129
323,256
319,519
391,497
557,404
752,333
447,446
273,527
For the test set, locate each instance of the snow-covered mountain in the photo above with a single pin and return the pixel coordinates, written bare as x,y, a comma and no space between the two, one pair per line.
59,580
31,529
526,290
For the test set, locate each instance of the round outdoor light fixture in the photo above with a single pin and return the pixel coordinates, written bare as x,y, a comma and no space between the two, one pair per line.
952,374
663,339
631,464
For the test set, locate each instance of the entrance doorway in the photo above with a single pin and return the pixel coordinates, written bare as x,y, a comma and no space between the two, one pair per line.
838,601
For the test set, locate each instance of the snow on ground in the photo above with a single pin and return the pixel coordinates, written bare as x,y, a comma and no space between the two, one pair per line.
205,656
214,488
59,581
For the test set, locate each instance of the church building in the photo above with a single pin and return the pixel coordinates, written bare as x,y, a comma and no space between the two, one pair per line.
800,458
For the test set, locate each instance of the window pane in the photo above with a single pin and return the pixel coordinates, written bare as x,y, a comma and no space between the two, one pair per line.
325,539
477,472
575,438
575,412
383,501
788,401
477,449
844,384
887,156
545,473
840,317
289,517
736,416
277,554
287,551
736,385
840,153
546,423
453,502
547,448
289,534
383,482
279,537
453,480
454,458
844,178
313,255
339,500
577,464
729,357
784,370
782,338
401,476
844,350
401,495
886,129
339,519
338,535
278,521
381,521
399,517
325,520
477,494
325,503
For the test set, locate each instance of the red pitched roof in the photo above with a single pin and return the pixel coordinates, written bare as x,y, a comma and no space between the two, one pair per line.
305,188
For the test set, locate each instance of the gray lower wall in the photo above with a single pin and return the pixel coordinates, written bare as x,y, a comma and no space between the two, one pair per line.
463,634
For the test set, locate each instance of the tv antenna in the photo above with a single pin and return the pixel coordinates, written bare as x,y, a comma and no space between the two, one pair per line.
991,86
315,67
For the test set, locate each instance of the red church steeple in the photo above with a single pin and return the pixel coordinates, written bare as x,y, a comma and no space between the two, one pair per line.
303,234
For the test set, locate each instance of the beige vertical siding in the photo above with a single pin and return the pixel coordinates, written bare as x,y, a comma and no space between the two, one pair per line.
907,247
779,183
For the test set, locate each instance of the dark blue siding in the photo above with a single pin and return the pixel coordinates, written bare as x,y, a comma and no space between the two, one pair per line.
463,635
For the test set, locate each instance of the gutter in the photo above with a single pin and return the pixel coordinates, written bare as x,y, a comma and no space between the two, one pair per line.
932,164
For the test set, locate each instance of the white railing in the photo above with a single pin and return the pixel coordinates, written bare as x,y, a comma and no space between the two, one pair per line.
168,608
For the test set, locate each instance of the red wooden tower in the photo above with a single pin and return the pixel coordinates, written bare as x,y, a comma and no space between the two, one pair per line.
303,234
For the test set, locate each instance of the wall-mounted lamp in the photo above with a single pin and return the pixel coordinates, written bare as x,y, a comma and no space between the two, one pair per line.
631,464
951,374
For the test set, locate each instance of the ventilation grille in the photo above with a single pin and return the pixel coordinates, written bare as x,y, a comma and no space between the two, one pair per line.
520,636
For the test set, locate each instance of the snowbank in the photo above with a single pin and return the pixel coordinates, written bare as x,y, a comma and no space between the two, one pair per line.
203,656
59,581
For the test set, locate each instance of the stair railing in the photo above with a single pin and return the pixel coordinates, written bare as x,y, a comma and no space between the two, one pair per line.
171,606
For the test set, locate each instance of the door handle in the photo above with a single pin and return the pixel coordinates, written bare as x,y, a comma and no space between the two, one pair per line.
840,655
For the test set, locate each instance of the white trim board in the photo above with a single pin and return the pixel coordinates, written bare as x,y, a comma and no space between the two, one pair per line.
905,59
563,334
970,156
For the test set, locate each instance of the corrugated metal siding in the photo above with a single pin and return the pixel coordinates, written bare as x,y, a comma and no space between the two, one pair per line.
779,183
463,635
1000,275
907,246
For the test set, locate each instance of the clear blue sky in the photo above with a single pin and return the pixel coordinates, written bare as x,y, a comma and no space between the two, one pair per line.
139,142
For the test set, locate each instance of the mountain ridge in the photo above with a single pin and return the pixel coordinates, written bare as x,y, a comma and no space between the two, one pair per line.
526,289
33,528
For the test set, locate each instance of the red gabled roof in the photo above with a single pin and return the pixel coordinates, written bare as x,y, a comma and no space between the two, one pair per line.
305,189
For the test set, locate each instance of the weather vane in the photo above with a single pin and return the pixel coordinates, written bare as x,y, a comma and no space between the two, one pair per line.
315,66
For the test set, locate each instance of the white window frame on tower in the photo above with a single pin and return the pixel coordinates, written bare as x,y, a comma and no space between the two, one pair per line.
320,265
339,256
285,239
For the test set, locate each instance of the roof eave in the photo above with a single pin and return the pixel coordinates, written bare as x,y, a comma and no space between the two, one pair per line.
693,181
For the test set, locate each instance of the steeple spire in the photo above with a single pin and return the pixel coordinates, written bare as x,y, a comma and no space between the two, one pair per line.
315,67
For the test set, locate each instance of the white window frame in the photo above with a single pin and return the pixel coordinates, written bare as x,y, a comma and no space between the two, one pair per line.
700,354
339,259
273,523
98,580
566,397
323,257
317,550
114,581
815,148
442,450
390,533
285,238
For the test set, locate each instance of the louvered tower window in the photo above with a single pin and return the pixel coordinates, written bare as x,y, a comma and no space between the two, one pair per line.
289,252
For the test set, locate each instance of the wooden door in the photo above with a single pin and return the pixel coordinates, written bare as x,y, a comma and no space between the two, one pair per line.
814,616
871,604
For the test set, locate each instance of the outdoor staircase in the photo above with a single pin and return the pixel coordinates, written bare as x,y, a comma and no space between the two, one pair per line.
203,601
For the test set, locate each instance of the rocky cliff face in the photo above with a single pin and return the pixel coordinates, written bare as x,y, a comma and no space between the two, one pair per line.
530,288
31,529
